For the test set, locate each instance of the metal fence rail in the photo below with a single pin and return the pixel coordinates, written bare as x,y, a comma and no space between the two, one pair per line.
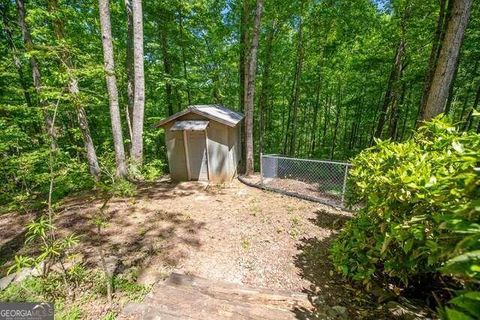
322,181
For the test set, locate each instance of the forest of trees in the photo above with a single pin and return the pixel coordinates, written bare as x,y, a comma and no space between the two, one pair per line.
316,79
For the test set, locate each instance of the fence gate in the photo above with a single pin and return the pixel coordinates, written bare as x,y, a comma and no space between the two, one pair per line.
318,180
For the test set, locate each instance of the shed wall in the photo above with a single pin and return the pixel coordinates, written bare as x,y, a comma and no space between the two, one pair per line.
176,154
222,146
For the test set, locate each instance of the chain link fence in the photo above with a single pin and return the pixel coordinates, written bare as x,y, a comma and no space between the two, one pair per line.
318,180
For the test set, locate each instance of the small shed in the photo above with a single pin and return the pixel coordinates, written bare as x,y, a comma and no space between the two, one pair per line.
203,143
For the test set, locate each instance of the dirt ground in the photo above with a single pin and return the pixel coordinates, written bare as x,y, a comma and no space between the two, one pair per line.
232,233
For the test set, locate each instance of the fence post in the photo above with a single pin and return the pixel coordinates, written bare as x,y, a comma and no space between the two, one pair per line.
261,169
344,184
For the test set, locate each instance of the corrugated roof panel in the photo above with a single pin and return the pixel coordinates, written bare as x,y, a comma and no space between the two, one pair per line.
214,112
220,112
189,125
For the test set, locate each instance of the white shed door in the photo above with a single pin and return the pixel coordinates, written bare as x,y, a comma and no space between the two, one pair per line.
197,155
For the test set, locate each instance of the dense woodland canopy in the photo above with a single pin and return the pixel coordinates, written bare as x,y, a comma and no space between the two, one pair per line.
331,76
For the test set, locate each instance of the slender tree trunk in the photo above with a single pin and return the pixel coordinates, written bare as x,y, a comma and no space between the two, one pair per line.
447,59
244,47
15,56
109,67
315,116
184,59
296,88
337,120
328,103
74,91
469,120
265,89
129,67
139,88
167,66
36,75
395,114
250,74
392,87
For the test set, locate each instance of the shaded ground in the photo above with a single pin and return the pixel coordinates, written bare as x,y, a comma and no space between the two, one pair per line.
324,192
235,233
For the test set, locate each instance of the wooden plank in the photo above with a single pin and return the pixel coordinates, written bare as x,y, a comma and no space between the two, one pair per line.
237,292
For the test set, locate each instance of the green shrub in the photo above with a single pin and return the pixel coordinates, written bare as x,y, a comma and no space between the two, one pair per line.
420,210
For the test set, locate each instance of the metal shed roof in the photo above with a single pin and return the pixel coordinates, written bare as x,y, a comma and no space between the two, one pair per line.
214,112
189,125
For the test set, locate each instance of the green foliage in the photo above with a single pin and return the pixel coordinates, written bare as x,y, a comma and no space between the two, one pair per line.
89,285
421,209
153,170
24,158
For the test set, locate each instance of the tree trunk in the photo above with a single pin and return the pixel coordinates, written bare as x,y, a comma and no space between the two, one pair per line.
447,59
73,90
265,89
139,88
434,51
250,73
129,67
337,120
395,113
315,116
167,66
244,22
328,103
36,75
392,87
292,124
184,59
15,56
109,66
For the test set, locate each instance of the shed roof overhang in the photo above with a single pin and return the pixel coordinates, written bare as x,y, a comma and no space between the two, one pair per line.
189,125
215,112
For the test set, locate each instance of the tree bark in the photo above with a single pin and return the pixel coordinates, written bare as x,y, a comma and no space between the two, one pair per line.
111,80
139,88
434,51
129,67
392,87
73,90
447,59
250,74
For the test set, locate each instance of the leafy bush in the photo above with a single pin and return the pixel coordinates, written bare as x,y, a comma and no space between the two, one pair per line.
153,170
420,211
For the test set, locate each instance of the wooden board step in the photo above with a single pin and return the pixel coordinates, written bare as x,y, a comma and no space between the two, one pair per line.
188,297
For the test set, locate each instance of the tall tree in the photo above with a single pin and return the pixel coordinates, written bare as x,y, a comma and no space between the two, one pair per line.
456,23
15,54
167,63
109,67
36,75
265,88
250,74
139,85
291,134
129,67
74,91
